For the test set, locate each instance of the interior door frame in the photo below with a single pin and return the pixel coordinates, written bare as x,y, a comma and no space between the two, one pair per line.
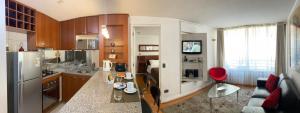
133,43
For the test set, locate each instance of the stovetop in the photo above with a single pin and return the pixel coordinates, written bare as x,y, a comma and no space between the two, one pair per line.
47,73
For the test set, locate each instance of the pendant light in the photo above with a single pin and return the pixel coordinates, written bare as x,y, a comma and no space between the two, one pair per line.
104,29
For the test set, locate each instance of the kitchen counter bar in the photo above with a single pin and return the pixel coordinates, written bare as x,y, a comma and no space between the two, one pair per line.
95,97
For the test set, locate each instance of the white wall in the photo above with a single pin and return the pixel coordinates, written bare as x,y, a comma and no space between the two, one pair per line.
169,53
146,39
3,77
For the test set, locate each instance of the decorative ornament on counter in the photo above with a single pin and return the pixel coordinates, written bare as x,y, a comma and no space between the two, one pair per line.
112,51
21,48
112,44
185,59
112,56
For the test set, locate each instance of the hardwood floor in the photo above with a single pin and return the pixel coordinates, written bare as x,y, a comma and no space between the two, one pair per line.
147,95
150,100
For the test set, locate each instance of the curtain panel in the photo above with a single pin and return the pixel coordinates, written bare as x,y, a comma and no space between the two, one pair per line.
280,64
220,47
249,53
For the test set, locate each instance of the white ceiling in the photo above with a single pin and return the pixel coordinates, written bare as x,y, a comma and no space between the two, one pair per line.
215,13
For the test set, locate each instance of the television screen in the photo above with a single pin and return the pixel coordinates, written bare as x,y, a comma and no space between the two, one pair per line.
192,47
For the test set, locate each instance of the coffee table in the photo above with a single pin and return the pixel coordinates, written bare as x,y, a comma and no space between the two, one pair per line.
221,90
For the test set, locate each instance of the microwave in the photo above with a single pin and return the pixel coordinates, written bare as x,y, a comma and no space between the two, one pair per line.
87,42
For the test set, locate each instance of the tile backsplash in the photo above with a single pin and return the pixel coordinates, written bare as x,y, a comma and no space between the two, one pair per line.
90,56
14,40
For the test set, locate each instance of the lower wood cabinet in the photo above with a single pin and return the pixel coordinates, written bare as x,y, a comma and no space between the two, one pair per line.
71,83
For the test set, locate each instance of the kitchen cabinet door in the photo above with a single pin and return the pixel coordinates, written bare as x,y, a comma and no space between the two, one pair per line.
92,25
57,35
80,26
71,84
66,87
76,84
41,35
31,39
53,33
79,81
67,35
47,32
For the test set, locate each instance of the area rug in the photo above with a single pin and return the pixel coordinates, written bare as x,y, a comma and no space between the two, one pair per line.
200,103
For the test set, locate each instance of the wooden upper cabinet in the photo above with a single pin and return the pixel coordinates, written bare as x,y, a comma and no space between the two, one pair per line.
31,45
80,26
68,35
87,25
54,33
47,32
42,40
92,24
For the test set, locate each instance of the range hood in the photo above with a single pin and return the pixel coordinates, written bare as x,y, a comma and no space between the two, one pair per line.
87,42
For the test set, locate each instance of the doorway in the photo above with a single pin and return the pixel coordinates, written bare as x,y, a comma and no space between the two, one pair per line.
145,55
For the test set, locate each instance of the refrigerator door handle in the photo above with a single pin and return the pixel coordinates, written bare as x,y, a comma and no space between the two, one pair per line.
19,98
20,72
20,88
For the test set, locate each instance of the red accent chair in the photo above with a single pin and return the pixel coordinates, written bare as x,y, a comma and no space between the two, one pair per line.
218,74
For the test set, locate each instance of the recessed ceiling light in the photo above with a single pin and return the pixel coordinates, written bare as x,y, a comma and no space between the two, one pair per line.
60,1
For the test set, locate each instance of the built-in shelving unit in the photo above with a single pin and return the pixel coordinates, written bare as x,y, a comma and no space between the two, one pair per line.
19,16
114,48
192,62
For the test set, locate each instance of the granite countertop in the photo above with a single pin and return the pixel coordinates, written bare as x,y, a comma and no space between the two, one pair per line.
95,97
64,70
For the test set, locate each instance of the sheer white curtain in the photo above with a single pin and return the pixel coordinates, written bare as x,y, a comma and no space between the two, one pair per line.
249,53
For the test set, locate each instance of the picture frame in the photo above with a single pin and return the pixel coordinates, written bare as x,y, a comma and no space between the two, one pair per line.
148,48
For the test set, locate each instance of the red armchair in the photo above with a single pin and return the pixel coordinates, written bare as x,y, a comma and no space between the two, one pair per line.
218,74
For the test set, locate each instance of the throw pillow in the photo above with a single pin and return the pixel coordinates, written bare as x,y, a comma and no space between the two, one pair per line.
271,83
272,100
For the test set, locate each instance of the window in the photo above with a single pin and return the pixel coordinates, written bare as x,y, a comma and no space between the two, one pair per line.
249,53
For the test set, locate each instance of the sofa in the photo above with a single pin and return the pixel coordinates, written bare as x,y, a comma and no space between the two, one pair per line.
288,102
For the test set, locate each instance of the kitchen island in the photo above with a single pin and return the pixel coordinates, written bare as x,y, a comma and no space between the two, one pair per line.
95,97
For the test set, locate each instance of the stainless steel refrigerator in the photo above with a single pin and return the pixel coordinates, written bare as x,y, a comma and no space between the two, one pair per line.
24,74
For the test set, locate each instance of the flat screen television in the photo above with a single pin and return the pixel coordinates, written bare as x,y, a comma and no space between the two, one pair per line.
192,46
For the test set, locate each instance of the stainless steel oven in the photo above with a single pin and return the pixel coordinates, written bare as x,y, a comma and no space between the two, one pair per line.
51,92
